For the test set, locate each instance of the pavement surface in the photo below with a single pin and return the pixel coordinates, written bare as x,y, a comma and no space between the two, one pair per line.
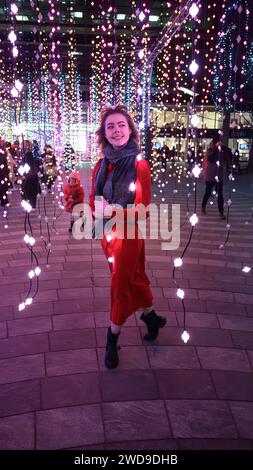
55,392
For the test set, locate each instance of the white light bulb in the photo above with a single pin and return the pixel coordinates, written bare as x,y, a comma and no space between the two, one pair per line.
185,337
180,293
29,301
195,120
132,186
139,157
31,274
141,125
141,16
141,54
37,271
193,67
109,238
21,306
110,259
12,37
18,85
139,90
194,10
246,269
194,219
31,241
178,262
14,8
15,52
196,171
14,92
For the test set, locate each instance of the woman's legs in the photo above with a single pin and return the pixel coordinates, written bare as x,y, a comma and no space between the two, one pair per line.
208,192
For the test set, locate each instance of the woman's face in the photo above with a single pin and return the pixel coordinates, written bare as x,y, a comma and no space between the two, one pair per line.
117,130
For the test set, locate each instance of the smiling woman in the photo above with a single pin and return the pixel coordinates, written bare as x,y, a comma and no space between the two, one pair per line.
122,178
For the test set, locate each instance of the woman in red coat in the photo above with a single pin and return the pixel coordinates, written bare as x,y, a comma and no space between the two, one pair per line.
73,194
122,178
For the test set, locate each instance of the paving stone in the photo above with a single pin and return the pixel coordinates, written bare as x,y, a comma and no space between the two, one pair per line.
74,321
132,357
173,357
69,390
250,354
21,368
224,359
217,295
29,326
72,339
183,384
17,432
37,310
6,313
3,329
242,339
213,444
242,413
159,444
72,306
128,385
244,298
20,397
73,293
71,362
200,419
232,322
222,307
134,420
76,282
82,426
199,319
24,345
233,385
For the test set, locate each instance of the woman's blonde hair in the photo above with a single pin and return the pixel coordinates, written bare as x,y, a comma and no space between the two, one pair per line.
108,111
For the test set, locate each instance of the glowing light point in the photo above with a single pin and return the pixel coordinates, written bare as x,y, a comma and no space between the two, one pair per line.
29,301
196,171
185,337
141,54
141,125
180,293
195,120
194,219
109,238
14,8
246,269
193,67
110,259
132,187
18,85
178,262
141,16
194,10
31,274
37,271
12,37
139,157
14,92
21,306
15,52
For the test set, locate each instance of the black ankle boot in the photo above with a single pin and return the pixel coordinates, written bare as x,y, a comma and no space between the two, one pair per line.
153,322
111,354
71,226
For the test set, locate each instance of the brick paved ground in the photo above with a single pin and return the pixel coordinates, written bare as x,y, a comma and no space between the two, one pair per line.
55,392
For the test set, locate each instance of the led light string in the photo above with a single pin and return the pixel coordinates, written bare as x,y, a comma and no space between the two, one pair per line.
35,270
193,68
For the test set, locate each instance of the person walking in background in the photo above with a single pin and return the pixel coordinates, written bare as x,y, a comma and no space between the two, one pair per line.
73,195
121,177
31,182
218,159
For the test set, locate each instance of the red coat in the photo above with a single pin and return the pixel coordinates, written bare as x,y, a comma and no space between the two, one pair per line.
129,283
73,195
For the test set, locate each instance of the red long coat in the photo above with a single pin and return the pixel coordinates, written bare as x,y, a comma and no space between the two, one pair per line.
73,194
129,283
